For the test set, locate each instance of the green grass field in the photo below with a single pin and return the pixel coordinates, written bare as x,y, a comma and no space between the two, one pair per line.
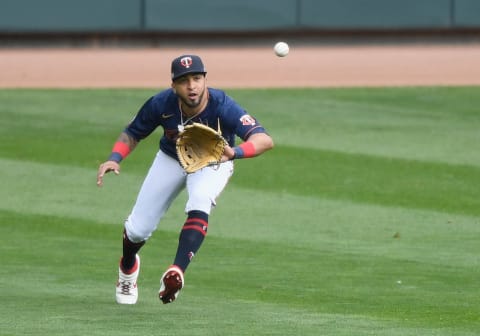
364,220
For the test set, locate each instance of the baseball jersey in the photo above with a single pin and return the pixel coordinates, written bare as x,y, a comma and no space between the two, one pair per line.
163,110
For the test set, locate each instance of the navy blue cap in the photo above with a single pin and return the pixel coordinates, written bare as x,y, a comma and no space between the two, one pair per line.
187,64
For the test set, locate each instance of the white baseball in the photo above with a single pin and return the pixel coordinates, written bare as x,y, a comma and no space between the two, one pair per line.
281,49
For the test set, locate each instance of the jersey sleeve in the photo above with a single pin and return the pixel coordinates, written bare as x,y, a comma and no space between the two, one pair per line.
241,121
145,121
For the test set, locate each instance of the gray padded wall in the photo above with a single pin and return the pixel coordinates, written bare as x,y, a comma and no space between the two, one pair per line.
69,15
64,16
219,15
467,13
375,14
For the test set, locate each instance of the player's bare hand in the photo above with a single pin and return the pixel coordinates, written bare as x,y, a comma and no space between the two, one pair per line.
228,154
107,167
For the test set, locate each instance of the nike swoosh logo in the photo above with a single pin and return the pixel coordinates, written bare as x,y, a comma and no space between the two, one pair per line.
166,116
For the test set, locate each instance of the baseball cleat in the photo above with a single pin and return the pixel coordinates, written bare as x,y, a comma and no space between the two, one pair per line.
170,284
126,291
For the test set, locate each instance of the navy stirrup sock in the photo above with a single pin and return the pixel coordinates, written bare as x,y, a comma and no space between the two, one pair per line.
130,250
191,238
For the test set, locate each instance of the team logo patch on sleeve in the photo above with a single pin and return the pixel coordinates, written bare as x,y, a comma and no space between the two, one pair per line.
247,120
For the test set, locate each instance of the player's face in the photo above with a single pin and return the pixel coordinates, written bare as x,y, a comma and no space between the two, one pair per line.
191,89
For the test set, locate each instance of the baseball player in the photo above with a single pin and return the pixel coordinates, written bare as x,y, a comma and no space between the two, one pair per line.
188,100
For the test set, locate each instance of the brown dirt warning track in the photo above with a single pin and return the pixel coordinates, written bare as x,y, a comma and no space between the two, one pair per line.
244,67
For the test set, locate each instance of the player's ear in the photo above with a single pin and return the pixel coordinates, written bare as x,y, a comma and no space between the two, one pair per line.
173,88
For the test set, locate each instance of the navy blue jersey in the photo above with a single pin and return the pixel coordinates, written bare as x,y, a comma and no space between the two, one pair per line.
163,110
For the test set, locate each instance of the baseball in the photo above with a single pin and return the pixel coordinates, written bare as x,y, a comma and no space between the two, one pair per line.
281,49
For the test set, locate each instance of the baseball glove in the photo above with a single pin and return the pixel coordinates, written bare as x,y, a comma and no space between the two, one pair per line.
199,146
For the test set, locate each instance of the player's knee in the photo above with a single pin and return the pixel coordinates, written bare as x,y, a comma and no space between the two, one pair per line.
199,200
199,203
136,233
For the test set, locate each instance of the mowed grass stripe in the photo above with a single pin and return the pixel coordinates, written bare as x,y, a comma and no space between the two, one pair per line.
275,216
68,191
329,225
365,179
437,124
371,232
268,271
425,124
334,175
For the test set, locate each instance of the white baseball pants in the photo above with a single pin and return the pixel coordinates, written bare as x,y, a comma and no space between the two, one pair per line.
163,183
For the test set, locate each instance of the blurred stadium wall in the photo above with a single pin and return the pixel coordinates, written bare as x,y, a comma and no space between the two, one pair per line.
143,22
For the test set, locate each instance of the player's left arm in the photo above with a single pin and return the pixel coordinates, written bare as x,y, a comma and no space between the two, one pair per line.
255,145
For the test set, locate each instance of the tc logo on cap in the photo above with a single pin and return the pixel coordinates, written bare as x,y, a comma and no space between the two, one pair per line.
186,61
186,64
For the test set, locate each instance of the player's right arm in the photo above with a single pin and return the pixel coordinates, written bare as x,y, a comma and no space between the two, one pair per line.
124,145
142,125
